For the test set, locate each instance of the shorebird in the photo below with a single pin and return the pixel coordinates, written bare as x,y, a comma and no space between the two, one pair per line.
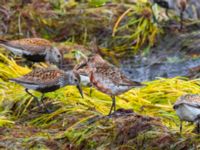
188,109
173,4
106,78
167,4
48,80
34,49
182,5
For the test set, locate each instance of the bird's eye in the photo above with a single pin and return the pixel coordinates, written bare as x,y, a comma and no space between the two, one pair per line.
58,56
75,80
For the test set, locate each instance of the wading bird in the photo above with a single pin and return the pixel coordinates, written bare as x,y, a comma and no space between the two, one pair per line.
188,109
48,80
34,49
173,4
182,5
106,78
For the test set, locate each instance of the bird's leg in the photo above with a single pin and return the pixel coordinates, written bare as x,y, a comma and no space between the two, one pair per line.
181,126
167,12
45,107
113,105
198,123
110,110
90,91
35,98
181,20
153,15
90,85
198,127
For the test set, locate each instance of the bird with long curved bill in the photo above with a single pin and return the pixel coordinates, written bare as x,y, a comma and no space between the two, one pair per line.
48,80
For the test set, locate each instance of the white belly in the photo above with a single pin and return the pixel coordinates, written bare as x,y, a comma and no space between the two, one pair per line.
117,90
30,86
85,80
187,113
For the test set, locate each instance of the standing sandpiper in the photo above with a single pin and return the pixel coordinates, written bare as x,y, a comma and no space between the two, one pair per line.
48,80
34,49
106,78
188,109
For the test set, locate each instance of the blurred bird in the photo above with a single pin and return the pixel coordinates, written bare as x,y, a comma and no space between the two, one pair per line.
182,5
173,4
106,77
167,4
34,49
188,109
48,80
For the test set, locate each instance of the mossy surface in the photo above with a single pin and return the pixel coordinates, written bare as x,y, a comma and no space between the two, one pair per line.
77,123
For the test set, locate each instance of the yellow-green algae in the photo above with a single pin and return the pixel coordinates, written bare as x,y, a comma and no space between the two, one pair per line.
71,113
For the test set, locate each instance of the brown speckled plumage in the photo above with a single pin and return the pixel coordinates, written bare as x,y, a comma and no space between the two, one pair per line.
189,99
33,45
48,80
42,76
187,108
34,49
105,77
182,4
104,73
32,42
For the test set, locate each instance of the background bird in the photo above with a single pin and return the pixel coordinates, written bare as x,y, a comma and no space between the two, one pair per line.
48,80
106,78
173,4
34,49
182,5
167,4
188,109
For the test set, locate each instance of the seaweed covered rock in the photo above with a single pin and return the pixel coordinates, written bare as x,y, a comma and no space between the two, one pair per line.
125,130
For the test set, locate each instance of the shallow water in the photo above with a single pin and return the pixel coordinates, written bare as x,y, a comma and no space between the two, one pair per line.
146,72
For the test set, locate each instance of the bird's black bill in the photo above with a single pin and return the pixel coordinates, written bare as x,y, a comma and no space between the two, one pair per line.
80,90
60,65
81,66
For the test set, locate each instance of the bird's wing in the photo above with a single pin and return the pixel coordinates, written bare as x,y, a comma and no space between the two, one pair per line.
194,104
191,100
3,41
116,76
40,77
30,45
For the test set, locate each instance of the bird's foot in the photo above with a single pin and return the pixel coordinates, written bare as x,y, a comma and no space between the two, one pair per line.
38,103
42,108
121,112
198,123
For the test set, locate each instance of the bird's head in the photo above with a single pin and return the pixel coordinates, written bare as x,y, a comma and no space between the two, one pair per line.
54,56
91,62
73,78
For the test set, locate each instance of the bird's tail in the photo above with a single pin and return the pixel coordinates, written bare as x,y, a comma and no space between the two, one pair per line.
13,80
139,84
2,41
